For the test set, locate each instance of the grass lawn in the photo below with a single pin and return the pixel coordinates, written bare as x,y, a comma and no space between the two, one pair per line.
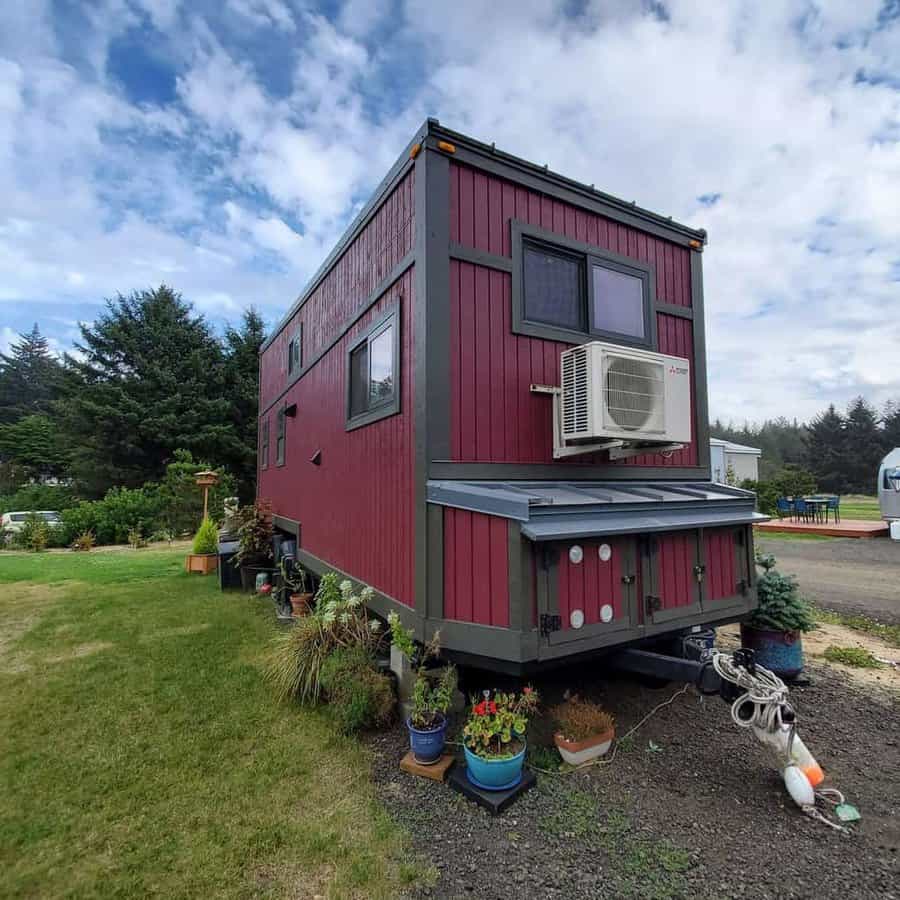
858,506
142,754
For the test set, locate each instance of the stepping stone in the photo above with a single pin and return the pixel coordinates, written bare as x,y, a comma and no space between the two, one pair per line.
436,771
493,801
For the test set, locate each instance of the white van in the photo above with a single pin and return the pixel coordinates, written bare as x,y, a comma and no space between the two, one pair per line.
13,522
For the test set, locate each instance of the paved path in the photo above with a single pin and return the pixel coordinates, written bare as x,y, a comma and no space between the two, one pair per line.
844,574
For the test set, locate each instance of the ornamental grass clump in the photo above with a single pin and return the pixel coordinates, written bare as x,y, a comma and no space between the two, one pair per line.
781,608
496,725
358,695
338,621
206,540
577,720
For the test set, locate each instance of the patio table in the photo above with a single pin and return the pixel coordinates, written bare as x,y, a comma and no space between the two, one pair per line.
819,506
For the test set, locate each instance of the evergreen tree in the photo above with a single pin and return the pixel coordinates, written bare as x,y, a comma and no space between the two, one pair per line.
242,360
151,379
825,451
30,377
36,445
864,447
890,434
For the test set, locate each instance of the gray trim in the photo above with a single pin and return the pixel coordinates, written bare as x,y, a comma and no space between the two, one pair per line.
489,641
522,232
449,470
380,290
481,258
283,523
390,318
701,399
394,176
520,582
380,603
672,309
486,157
435,570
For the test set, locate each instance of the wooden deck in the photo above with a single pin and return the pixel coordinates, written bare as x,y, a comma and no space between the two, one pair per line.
852,528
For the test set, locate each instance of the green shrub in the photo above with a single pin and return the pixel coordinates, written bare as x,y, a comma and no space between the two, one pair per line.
181,500
780,606
34,534
113,518
358,695
33,497
206,540
790,481
857,657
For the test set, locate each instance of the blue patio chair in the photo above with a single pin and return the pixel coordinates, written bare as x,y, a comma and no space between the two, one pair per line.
802,509
834,503
784,507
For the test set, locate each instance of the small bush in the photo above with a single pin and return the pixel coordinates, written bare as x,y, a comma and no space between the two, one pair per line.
781,608
577,719
84,542
852,656
206,540
358,695
34,534
136,538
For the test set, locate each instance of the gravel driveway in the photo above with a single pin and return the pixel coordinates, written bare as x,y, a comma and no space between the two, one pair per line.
847,575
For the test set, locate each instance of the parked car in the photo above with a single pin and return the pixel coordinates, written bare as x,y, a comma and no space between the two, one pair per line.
13,522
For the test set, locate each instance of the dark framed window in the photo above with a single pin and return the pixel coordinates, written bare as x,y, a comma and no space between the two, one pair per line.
373,371
280,435
264,444
295,352
566,290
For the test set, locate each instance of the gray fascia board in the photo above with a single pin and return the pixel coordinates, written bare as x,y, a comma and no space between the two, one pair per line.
615,208
492,502
561,528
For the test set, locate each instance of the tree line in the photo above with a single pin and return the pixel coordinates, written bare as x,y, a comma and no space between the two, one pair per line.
148,378
841,450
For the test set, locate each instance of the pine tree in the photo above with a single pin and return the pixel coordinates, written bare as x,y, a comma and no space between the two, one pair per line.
864,446
826,451
30,377
890,434
151,379
242,361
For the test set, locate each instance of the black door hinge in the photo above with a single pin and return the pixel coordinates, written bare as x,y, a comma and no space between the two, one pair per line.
628,579
742,586
654,603
549,624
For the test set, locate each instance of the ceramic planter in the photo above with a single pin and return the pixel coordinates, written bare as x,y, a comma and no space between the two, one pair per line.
301,604
577,753
427,745
780,651
204,563
494,774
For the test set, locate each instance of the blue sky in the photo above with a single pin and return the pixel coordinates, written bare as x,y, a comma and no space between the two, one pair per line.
223,146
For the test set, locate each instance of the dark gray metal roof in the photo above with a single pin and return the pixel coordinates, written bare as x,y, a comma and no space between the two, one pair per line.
554,510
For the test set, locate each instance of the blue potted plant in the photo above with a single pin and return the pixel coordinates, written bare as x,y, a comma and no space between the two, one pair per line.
432,694
775,628
494,738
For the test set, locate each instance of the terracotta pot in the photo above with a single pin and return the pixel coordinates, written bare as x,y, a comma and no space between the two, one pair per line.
204,563
301,604
577,753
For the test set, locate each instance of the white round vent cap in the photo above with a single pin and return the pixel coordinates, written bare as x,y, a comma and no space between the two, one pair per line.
576,554
605,552
576,619
606,613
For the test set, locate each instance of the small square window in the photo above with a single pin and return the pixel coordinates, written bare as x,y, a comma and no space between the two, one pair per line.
618,302
554,288
373,370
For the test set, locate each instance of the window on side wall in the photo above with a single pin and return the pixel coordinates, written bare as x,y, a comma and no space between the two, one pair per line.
565,290
280,435
264,445
295,352
373,372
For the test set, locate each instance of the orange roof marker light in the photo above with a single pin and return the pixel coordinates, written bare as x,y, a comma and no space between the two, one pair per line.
447,147
697,245
414,150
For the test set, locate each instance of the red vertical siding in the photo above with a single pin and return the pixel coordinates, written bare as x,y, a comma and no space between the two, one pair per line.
364,264
676,558
494,416
476,568
355,509
720,578
590,584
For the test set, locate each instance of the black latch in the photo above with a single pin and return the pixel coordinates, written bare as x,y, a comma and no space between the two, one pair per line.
654,603
628,579
549,624
699,572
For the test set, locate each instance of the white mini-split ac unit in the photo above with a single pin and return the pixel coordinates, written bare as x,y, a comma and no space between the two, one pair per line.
610,392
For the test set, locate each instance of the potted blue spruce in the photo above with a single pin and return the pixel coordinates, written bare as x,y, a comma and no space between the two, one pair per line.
775,628
432,694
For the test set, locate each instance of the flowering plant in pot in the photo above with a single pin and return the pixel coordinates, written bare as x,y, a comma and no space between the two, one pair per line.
494,738
254,542
775,628
203,557
432,694
296,580
584,730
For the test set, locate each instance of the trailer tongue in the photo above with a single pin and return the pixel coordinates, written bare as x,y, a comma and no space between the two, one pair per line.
759,703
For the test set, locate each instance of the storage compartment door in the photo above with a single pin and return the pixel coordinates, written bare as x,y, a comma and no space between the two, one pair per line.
670,585
726,569
595,589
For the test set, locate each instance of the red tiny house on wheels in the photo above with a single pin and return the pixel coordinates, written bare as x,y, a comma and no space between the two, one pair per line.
411,408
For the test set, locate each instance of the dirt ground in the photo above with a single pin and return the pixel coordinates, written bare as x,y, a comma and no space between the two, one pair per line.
704,815
849,575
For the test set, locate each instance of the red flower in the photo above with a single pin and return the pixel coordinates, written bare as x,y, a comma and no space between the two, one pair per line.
493,707
479,710
526,690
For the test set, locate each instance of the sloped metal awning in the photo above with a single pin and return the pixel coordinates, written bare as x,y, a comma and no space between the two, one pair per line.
553,510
